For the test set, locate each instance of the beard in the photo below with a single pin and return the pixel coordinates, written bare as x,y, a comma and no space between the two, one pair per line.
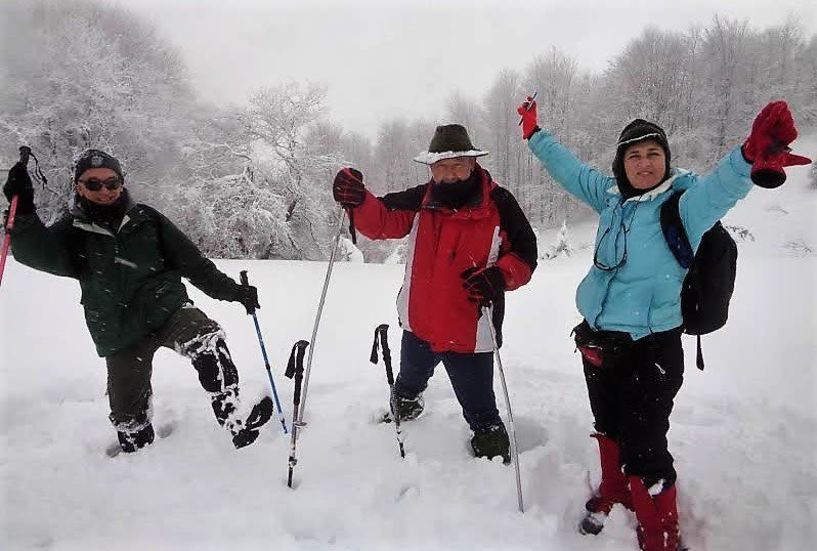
455,195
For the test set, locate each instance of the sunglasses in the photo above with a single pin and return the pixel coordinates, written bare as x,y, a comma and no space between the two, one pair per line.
94,184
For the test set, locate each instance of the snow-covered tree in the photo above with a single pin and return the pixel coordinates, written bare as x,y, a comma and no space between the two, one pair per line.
80,75
562,245
255,180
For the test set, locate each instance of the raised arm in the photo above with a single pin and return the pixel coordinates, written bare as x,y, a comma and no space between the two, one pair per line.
579,179
763,157
711,197
389,217
41,248
47,249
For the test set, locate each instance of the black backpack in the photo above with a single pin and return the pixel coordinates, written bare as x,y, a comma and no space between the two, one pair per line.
710,281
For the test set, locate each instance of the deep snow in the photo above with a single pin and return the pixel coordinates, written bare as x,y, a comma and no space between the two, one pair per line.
742,431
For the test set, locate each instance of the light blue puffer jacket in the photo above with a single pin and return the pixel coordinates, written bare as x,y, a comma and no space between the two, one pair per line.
641,292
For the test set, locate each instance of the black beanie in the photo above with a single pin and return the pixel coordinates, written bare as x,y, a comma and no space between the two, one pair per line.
94,158
637,131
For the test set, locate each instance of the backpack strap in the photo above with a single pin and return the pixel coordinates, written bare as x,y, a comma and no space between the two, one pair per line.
676,237
674,232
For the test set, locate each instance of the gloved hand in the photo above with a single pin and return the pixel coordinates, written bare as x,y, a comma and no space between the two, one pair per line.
19,183
248,296
483,285
348,189
767,146
529,117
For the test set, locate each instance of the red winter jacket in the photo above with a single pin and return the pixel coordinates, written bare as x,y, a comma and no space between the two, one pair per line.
490,230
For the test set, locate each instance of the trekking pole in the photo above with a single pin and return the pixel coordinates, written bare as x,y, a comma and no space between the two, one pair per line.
245,281
25,151
381,337
487,312
300,416
295,369
351,214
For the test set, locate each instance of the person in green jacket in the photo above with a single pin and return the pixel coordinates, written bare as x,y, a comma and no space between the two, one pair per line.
129,260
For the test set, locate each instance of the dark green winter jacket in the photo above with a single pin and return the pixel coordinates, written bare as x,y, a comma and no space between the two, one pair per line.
130,280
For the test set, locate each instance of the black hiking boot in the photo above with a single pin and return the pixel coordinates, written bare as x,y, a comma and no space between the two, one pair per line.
134,441
491,442
408,408
593,521
260,414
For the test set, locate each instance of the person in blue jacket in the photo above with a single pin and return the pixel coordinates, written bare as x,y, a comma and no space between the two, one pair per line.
630,338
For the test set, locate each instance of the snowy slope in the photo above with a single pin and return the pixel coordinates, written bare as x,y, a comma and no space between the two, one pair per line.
742,431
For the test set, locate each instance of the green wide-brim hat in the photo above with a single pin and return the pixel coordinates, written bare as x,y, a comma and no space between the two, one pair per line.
449,141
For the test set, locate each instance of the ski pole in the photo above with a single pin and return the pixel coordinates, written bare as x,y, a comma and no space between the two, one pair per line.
487,312
352,231
300,416
295,369
25,151
245,281
351,210
381,337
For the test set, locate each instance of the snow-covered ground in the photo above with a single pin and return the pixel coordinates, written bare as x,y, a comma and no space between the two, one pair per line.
742,431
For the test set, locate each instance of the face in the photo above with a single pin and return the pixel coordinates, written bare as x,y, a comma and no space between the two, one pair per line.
645,164
453,170
102,196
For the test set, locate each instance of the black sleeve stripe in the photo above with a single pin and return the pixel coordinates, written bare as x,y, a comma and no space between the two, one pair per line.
516,226
410,199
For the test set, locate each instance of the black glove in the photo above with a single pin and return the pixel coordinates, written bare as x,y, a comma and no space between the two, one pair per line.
248,296
19,184
483,285
348,189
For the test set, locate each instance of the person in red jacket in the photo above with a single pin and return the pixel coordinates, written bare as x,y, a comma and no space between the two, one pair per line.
469,242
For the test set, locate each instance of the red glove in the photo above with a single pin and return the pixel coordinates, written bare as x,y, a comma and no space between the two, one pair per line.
767,147
528,112
348,188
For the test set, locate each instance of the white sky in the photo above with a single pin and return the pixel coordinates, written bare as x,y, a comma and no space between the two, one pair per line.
401,58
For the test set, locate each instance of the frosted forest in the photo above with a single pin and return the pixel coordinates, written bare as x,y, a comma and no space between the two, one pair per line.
253,180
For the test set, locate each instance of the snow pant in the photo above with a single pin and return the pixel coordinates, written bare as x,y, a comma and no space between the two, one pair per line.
190,333
471,375
632,385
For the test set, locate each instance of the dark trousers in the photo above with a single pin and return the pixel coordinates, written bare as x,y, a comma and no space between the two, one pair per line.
471,375
190,333
631,395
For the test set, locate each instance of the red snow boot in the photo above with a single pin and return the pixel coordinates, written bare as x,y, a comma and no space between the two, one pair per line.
612,489
657,517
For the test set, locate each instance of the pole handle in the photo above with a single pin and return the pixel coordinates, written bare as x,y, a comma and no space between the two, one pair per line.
381,341
25,153
244,279
352,232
